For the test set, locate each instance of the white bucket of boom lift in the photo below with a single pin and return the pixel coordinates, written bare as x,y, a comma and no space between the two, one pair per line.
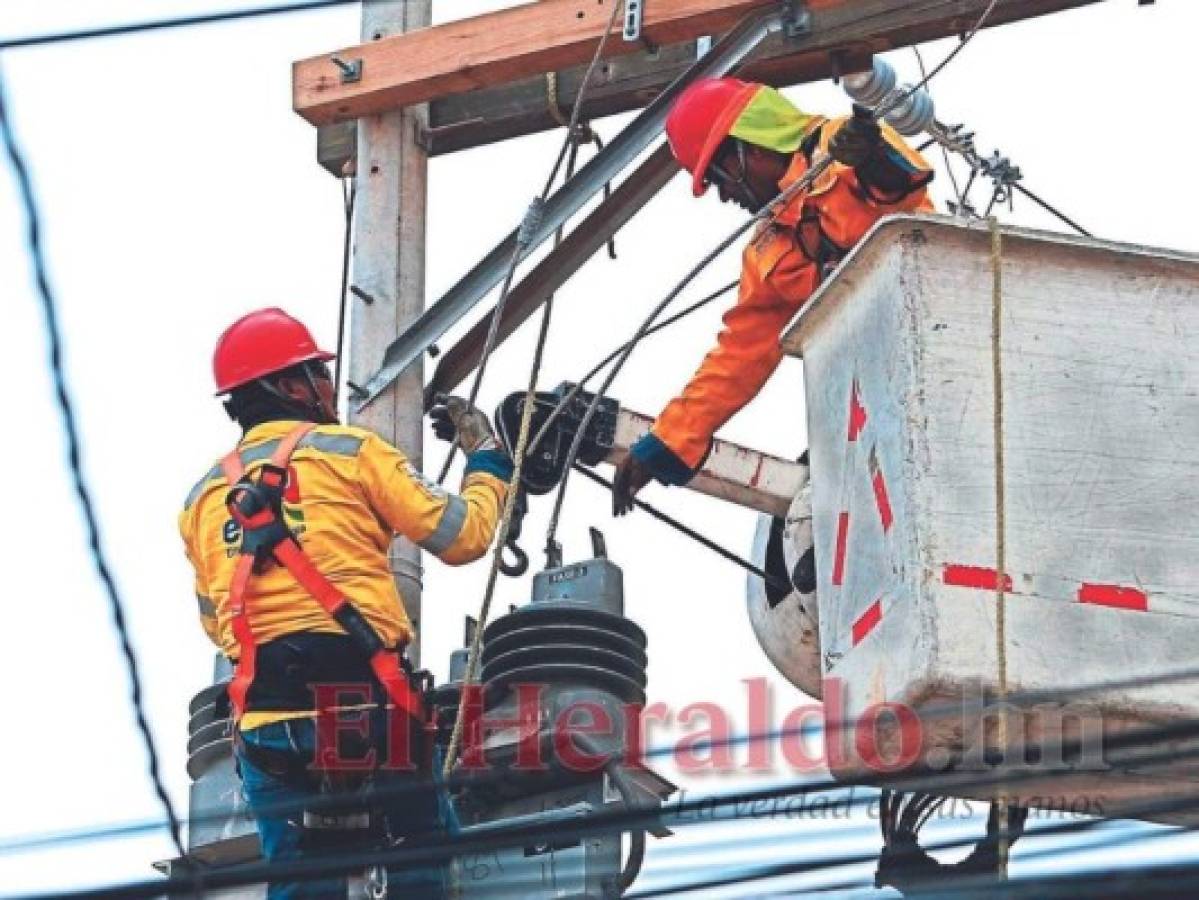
1100,432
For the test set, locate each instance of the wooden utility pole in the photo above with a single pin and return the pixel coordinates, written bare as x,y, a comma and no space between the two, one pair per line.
389,268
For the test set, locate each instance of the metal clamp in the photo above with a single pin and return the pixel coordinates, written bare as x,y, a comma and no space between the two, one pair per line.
797,19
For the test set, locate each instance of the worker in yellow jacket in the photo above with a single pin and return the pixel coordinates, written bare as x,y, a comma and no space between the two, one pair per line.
752,143
297,633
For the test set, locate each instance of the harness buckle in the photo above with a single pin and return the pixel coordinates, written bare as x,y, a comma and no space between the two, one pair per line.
256,506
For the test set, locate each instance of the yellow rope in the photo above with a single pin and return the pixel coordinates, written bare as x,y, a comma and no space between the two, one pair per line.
1000,521
472,660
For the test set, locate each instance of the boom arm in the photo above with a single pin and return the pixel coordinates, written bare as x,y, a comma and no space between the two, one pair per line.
733,473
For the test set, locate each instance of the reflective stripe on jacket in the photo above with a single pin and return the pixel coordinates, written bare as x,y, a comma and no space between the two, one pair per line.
350,493
777,278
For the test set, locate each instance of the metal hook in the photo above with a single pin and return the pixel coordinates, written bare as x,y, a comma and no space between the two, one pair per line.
521,564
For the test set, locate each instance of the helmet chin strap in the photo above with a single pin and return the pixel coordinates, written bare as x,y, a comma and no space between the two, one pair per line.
318,409
743,179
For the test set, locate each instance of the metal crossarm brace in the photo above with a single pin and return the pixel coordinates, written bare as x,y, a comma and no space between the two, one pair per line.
568,200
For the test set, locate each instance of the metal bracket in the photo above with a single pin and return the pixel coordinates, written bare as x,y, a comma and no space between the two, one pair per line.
797,19
351,70
634,13
601,169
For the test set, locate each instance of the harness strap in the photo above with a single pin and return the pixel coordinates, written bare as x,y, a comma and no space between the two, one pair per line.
266,538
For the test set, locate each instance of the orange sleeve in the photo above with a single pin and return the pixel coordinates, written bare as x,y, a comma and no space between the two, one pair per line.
776,280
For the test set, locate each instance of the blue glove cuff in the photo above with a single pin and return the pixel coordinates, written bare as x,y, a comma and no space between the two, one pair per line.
661,461
493,462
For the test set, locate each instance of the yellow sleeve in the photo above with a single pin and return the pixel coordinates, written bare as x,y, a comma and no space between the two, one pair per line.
207,608
456,528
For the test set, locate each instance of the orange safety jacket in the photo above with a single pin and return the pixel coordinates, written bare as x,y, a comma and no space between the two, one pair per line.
349,493
781,268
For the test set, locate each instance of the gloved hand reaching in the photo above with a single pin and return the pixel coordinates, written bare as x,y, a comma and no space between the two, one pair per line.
454,418
857,140
631,476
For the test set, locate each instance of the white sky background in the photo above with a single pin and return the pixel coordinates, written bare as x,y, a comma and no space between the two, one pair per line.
179,190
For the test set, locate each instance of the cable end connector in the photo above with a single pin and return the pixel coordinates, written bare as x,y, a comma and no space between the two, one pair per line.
531,223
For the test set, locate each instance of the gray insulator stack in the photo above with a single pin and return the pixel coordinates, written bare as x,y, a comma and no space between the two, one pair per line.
913,114
573,640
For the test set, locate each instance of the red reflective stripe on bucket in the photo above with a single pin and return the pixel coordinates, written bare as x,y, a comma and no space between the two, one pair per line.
857,412
867,620
881,498
975,577
1114,595
842,541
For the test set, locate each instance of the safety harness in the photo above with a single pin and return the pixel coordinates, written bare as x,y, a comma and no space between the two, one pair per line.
256,505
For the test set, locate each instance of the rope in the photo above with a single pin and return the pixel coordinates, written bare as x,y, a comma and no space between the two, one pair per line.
803,183
75,463
1000,522
526,419
472,662
815,171
528,227
595,370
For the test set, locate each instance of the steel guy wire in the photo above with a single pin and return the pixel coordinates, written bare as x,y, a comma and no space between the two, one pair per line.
529,225
931,713
817,168
706,542
75,457
349,190
520,451
59,37
779,870
592,824
595,370
957,191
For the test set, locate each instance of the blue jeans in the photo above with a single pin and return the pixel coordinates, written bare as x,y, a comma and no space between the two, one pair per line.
277,802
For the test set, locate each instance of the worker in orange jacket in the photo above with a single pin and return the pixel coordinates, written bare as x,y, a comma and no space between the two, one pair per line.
752,143
322,639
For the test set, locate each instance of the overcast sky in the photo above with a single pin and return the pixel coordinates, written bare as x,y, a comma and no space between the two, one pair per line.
179,191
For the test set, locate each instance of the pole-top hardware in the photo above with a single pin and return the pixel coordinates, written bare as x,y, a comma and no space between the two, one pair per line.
361,294
797,19
351,70
634,12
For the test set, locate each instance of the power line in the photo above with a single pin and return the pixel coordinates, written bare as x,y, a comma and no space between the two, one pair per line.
62,37
932,713
75,457
607,821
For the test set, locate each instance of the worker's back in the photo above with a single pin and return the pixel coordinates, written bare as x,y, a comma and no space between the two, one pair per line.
336,507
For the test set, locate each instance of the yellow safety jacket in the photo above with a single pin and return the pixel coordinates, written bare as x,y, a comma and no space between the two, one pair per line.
349,494
781,268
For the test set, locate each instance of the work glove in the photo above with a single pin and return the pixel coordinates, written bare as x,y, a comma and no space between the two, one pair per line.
454,418
857,140
631,476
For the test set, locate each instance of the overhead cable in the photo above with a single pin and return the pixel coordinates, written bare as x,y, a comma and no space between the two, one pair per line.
742,803
62,37
817,168
83,495
569,145
931,713
772,580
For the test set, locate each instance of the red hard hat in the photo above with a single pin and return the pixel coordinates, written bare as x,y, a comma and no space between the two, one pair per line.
265,341
703,117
